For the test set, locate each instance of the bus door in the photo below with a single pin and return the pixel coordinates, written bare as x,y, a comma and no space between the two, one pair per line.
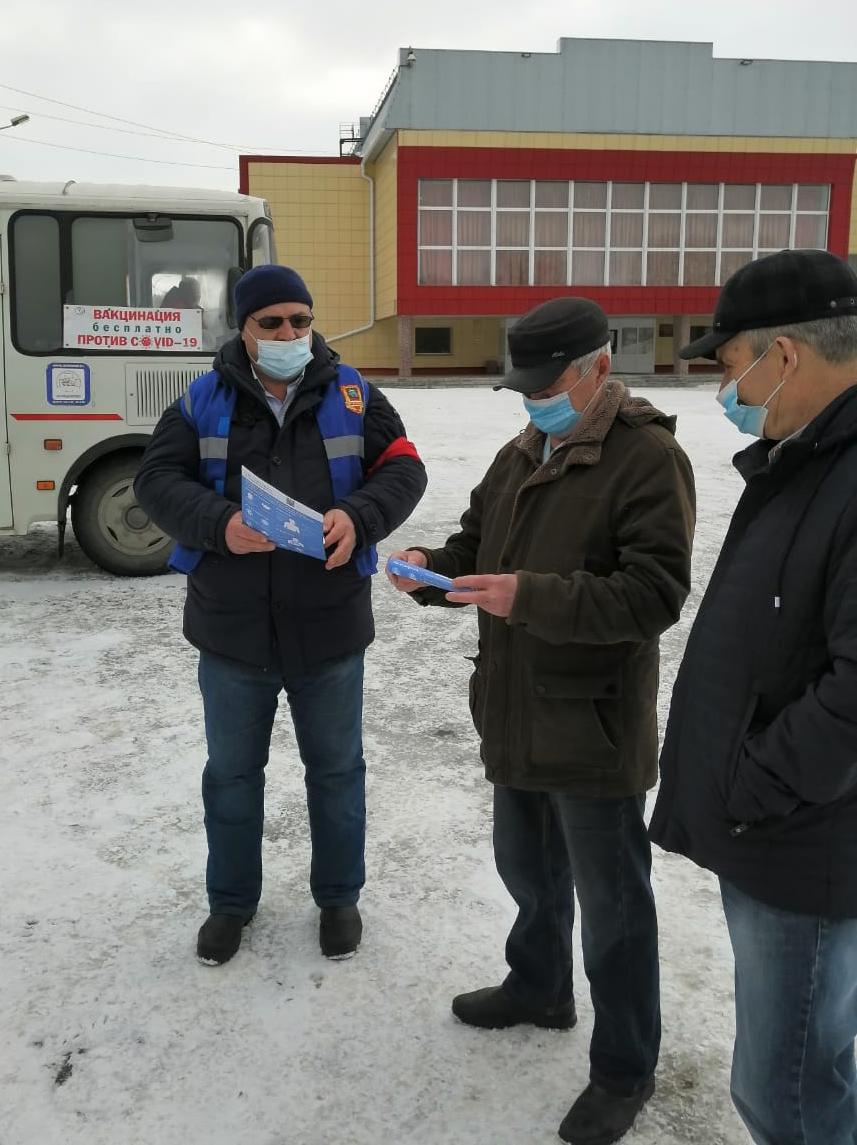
5,483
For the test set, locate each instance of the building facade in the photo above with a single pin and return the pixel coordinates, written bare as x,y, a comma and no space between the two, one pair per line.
638,174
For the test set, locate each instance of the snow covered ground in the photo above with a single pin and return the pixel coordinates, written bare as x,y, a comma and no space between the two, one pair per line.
113,1034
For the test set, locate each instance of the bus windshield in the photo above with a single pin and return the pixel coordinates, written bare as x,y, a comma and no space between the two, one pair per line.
68,263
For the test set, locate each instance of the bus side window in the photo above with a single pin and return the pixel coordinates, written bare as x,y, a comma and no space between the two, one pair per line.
261,240
37,303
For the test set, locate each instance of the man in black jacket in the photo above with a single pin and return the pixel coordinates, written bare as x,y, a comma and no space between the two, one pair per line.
759,763
265,619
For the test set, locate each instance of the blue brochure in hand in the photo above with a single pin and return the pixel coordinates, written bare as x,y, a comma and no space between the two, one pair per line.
286,522
424,576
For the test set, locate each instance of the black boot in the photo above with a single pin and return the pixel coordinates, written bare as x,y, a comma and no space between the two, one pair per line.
219,938
493,1009
340,929
599,1117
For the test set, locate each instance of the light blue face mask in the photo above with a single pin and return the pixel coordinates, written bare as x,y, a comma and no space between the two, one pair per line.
283,360
555,415
552,415
748,419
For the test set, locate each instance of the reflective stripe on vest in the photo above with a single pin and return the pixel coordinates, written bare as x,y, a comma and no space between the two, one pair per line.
344,447
208,406
210,447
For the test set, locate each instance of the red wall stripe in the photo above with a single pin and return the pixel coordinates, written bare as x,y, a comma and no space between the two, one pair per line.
415,163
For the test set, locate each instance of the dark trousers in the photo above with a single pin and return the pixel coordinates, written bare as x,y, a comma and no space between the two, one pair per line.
327,710
547,846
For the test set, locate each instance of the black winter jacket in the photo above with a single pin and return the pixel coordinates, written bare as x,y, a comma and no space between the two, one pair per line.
759,764
277,610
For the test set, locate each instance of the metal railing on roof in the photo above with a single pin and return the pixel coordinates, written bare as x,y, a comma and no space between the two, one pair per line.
349,139
388,86
350,135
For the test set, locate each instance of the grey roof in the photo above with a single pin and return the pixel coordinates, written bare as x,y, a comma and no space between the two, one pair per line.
632,86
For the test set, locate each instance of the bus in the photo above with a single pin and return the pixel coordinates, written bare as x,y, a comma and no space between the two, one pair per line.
112,300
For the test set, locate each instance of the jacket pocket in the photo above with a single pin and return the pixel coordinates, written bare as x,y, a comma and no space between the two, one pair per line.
576,723
476,692
738,743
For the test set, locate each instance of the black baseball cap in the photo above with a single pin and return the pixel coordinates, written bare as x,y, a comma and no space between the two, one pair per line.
548,338
778,290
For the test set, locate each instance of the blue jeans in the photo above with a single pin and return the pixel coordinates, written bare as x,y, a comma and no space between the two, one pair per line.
327,712
547,846
793,1075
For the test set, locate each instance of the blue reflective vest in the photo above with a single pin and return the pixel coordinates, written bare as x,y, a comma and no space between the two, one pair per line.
208,405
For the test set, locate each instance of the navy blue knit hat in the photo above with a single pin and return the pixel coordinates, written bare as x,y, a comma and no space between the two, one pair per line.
265,286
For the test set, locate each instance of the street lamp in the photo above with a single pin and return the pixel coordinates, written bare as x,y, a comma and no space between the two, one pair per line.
15,121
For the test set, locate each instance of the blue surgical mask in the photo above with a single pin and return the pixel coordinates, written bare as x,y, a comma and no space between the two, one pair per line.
556,415
283,360
552,415
748,419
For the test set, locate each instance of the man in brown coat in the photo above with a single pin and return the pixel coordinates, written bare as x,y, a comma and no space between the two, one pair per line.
576,552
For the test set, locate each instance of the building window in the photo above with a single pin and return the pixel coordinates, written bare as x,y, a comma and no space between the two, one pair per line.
520,232
432,340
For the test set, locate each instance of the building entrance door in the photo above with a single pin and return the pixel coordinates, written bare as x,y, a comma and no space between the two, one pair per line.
633,342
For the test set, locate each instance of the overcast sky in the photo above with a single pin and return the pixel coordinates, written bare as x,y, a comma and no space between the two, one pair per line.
281,76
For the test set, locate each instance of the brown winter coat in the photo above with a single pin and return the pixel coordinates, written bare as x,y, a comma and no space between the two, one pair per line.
564,691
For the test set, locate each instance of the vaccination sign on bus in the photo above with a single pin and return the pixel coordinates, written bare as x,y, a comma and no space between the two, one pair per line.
125,328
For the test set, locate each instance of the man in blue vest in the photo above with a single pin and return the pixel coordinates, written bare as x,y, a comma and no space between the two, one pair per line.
279,402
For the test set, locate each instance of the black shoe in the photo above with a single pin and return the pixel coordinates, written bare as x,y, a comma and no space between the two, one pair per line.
219,938
493,1009
340,929
599,1117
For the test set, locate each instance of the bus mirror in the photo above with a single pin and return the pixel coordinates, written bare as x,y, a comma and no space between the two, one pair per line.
232,276
153,229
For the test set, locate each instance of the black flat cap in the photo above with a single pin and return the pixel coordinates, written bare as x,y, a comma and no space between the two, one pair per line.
778,290
547,339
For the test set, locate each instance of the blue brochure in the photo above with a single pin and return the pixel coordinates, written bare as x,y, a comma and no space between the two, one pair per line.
286,522
424,576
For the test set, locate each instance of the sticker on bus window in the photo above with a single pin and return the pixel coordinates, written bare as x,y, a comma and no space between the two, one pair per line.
68,383
132,329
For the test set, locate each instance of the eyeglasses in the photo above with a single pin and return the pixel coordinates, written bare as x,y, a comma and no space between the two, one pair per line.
275,321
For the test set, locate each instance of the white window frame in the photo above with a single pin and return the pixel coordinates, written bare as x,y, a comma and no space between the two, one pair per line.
720,211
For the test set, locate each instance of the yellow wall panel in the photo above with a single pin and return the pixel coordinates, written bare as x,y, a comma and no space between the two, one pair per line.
475,341
375,349
320,213
566,141
386,220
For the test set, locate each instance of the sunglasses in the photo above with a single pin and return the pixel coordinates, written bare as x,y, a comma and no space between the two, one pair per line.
275,321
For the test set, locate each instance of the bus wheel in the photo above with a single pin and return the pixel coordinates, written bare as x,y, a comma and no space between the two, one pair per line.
111,527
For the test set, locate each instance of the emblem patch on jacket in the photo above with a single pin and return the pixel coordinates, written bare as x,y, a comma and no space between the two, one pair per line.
352,395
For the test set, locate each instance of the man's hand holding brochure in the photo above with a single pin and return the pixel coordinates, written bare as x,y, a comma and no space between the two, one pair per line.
288,524
406,571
